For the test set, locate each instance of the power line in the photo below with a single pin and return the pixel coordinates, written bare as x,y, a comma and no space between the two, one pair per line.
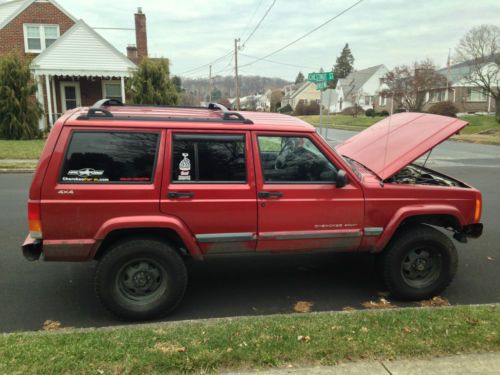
245,29
259,23
278,62
305,35
207,64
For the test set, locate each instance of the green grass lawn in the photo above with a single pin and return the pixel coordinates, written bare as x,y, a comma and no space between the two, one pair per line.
21,149
255,342
478,123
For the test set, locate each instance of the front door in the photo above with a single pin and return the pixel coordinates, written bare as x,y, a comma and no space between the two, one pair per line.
300,207
70,95
209,183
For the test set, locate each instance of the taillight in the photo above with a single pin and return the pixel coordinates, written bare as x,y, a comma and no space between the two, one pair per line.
477,211
34,220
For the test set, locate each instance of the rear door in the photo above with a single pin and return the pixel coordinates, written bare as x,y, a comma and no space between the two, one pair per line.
209,183
96,175
300,208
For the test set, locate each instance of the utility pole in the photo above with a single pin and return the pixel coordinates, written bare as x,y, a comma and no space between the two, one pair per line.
236,79
210,84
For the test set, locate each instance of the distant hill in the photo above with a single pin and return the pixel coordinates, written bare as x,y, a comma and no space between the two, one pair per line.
224,86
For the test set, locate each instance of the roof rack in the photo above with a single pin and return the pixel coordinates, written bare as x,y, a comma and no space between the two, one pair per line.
98,112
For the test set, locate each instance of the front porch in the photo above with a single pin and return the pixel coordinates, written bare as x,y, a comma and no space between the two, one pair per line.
58,93
78,69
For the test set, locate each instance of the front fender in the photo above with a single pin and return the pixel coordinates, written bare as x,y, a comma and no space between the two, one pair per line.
415,210
150,221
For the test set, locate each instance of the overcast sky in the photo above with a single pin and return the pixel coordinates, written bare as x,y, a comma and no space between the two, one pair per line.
195,32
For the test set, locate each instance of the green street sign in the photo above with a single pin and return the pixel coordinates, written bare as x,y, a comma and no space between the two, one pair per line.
320,77
321,85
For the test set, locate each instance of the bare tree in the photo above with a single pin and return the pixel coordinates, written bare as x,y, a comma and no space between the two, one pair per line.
409,85
479,51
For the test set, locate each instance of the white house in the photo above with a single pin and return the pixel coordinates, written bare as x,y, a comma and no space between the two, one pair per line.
360,87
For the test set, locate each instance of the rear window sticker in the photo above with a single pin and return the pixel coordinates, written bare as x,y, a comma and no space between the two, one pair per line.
185,168
85,172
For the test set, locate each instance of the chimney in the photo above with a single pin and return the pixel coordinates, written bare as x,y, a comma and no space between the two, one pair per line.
132,53
141,36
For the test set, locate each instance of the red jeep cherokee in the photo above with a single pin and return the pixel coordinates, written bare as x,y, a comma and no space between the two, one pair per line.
141,189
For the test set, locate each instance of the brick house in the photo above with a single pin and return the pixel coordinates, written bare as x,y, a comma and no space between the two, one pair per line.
72,64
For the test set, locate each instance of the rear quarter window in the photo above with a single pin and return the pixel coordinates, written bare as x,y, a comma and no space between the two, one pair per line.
110,157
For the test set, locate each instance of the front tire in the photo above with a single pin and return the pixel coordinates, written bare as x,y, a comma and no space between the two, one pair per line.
141,279
419,263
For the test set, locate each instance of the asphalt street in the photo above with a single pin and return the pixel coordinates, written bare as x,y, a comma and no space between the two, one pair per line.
32,292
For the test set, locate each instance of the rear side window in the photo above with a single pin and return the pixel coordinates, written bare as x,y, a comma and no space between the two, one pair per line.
110,157
208,158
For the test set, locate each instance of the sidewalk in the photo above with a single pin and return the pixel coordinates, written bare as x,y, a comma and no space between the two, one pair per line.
484,364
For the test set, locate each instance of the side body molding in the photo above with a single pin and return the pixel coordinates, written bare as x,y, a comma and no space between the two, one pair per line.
150,221
414,210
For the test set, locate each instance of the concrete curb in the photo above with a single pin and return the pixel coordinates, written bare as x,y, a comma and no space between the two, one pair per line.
16,170
163,324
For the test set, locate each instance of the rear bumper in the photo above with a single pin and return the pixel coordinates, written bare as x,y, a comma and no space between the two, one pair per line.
32,249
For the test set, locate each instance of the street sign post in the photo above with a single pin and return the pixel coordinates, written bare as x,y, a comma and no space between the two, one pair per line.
321,80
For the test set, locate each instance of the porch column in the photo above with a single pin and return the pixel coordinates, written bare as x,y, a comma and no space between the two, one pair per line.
49,99
39,98
122,81
54,97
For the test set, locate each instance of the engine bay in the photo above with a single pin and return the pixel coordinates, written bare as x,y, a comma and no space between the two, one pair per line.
416,175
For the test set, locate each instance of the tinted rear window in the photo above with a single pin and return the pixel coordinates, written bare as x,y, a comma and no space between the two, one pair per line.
110,157
208,158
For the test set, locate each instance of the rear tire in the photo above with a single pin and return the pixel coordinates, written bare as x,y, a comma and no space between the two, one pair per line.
140,279
419,263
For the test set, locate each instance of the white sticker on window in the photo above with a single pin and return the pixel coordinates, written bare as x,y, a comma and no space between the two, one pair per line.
185,168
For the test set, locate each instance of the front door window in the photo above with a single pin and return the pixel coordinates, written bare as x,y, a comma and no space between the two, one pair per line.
70,95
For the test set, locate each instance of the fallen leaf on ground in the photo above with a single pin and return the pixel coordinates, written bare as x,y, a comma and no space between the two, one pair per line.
434,302
303,338
169,348
472,322
348,308
382,303
406,330
51,325
303,306
364,329
490,258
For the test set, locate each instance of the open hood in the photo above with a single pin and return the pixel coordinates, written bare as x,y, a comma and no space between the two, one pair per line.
391,144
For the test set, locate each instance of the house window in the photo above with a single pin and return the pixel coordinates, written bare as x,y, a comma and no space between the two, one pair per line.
437,96
476,95
112,90
39,37
368,100
382,100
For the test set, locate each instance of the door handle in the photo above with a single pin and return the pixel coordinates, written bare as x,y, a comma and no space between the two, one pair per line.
178,194
270,194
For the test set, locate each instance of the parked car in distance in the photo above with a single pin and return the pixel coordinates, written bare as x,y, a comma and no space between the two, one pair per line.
141,189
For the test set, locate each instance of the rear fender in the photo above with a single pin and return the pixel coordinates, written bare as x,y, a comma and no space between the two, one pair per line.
405,213
150,221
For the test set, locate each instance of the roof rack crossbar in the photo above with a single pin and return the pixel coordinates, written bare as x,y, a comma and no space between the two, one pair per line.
218,106
97,111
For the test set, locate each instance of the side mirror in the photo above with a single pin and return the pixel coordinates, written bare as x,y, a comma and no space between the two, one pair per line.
341,179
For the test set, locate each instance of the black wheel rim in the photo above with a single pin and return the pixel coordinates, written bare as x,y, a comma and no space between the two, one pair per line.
421,267
141,281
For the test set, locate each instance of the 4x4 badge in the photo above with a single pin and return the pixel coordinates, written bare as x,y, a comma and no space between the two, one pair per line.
185,168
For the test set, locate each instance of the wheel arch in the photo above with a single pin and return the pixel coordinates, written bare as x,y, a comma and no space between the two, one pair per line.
165,228
441,216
